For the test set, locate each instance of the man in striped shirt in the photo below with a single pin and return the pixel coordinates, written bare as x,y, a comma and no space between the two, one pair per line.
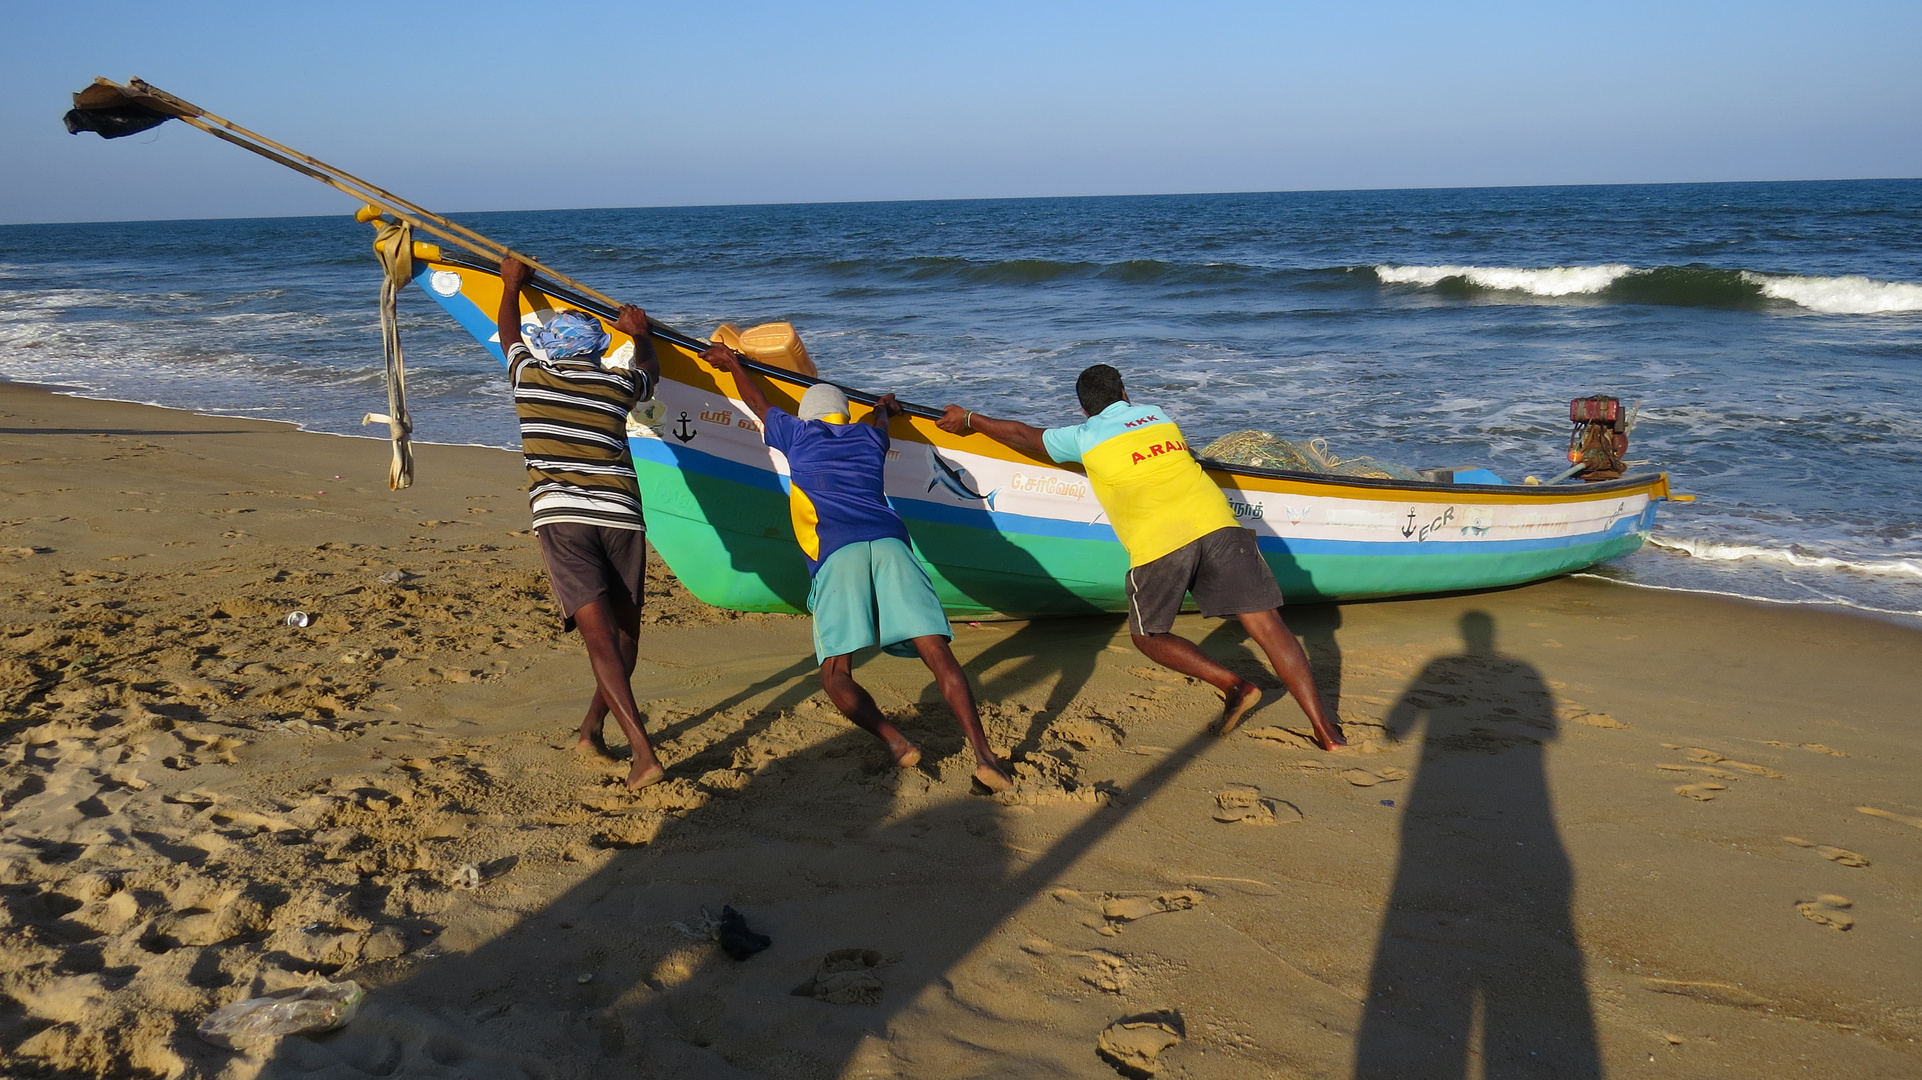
573,410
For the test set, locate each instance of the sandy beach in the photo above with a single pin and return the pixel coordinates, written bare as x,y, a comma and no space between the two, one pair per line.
1583,830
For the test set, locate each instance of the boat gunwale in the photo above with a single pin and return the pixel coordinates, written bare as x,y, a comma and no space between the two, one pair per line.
1521,492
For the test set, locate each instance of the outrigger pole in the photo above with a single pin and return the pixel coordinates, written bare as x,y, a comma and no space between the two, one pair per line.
111,111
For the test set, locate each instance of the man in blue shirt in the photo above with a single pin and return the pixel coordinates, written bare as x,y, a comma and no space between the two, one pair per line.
868,587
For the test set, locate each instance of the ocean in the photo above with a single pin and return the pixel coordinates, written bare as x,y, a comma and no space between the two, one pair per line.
1771,332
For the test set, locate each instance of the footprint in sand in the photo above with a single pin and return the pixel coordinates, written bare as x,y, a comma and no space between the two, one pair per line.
1704,758
1243,804
1111,974
1832,854
1578,713
1292,739
1384,775
845,977
1902,818
1108,911
1811,747
1705,770
1827,910
1700,792
1713,993
1132,1045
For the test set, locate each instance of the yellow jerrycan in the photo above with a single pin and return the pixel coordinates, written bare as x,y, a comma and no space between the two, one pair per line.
773,343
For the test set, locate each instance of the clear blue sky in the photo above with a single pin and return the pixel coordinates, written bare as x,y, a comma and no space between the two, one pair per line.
488,106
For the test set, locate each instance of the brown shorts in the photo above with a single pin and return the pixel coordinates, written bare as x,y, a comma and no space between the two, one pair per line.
1224,570
587,562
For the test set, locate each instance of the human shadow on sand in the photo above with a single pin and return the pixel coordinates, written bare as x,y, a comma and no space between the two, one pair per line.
821,845
1478,970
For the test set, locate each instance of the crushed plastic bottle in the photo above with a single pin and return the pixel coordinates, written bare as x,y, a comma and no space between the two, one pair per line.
320,1007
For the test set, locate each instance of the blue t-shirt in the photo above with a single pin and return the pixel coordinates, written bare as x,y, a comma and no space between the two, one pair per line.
835,497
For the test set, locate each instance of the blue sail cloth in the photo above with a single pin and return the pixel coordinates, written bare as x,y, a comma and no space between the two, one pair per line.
571,334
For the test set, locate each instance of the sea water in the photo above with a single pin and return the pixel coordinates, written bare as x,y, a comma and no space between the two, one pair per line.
1772,333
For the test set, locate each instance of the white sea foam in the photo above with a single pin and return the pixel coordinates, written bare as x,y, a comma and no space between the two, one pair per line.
1851,294
1552,281
1715,551
1809,601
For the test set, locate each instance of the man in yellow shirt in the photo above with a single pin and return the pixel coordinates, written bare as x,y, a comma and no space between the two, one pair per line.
1181,538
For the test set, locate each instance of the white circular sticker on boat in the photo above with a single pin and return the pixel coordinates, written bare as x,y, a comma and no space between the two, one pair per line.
446,282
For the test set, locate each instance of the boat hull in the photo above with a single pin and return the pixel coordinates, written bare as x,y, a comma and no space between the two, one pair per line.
1006,534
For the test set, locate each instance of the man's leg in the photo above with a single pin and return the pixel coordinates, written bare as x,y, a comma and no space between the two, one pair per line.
1291,663
1177,653
627,621
601,629
960,698
855,703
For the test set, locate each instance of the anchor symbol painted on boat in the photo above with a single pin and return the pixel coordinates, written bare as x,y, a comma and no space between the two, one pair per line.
1441,519
685,431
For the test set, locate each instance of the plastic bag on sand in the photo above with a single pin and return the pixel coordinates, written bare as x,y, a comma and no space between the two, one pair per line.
316,1008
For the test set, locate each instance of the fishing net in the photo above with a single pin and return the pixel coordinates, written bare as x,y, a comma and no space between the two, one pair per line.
1269,451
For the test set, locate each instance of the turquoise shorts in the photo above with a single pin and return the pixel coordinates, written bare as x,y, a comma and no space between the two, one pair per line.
873,593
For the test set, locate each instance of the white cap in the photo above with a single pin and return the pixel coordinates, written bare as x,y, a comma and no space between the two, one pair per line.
822,400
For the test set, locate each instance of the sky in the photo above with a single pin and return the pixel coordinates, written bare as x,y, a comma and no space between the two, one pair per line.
488,106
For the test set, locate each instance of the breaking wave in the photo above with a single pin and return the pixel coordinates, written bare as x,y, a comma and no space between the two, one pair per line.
1716,551
1683,286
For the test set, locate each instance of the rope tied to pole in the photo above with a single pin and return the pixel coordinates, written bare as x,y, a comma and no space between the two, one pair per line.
394,246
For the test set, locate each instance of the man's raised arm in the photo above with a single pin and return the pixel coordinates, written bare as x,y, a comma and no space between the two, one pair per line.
885,409
514,274
633,323
729,361
958,421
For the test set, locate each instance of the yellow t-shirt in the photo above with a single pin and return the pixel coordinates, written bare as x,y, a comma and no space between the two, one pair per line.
1156,495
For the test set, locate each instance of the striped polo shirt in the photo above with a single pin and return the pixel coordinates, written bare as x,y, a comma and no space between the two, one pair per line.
573,418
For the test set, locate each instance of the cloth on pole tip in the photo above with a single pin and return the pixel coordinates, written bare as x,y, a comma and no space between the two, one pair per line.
571,334
821,401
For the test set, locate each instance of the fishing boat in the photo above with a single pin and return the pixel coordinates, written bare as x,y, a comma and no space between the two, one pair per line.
1005,533
1001,532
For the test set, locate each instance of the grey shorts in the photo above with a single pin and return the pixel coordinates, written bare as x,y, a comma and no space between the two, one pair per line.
1224,570
588,562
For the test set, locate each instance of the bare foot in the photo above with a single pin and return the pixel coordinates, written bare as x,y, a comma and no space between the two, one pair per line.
643,774
904,753
1328,734
991,776
592,742
1239,702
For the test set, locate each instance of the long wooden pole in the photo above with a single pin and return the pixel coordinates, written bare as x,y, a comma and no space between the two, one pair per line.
421,218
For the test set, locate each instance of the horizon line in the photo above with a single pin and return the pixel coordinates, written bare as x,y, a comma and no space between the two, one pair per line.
998,198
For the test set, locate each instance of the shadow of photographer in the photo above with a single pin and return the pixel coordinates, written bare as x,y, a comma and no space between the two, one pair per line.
1478,970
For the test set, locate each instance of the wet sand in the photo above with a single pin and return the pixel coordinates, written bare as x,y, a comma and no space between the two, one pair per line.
1585,830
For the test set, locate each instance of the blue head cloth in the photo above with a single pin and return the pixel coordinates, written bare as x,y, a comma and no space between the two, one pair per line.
572,334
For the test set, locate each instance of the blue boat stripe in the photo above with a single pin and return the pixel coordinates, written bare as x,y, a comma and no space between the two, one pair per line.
684,457
470,317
